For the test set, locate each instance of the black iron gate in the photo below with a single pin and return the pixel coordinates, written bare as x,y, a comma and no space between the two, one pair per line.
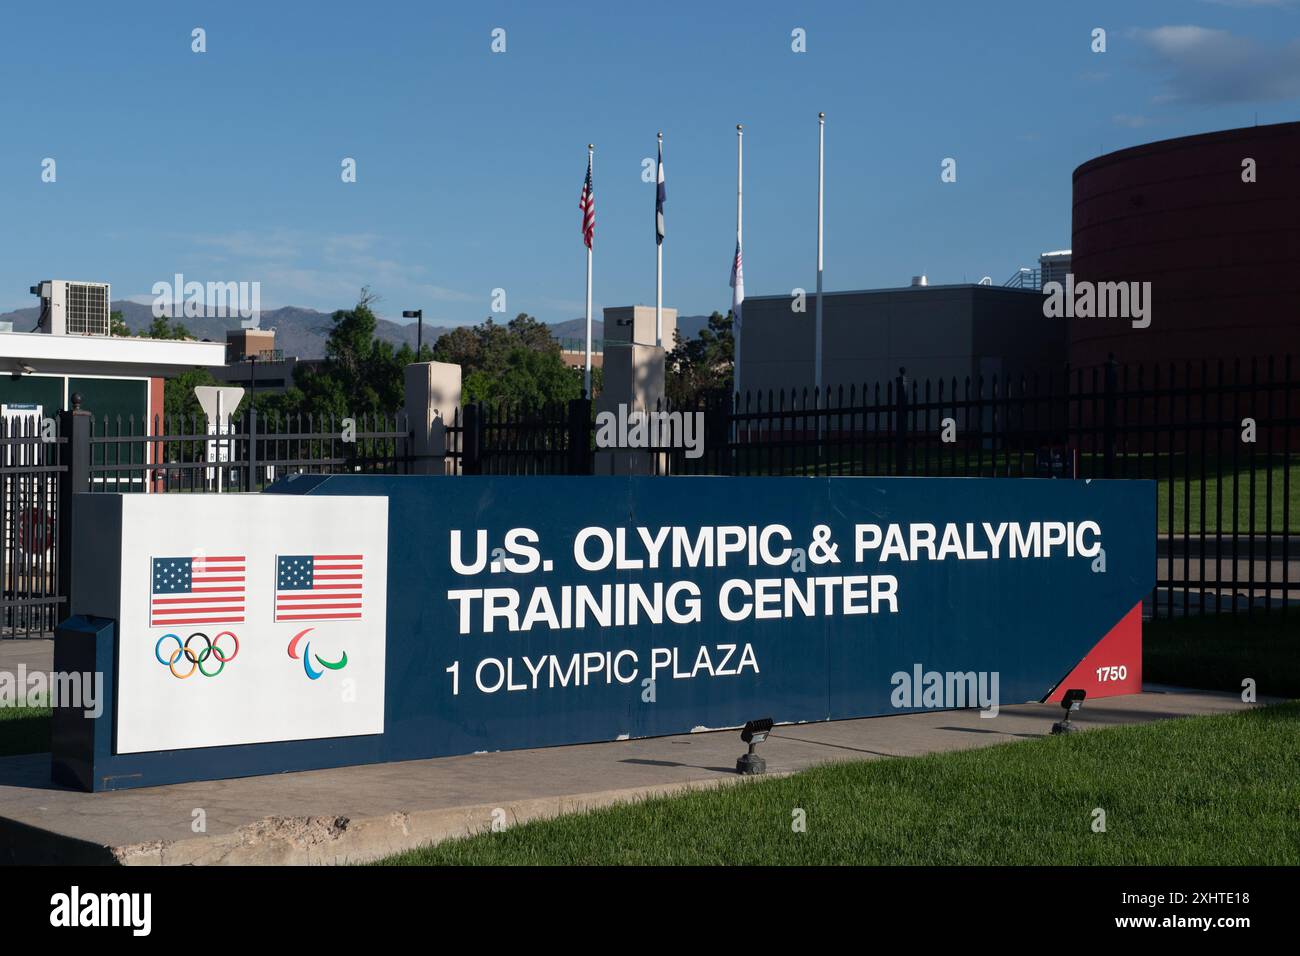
33,473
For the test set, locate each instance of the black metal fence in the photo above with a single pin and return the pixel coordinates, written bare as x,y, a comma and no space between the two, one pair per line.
33,484
181,454
1220,440
554,439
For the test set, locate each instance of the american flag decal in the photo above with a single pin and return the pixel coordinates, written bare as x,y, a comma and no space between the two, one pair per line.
318,587
202,590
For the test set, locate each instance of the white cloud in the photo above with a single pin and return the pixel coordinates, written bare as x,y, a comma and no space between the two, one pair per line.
1208,66
297,267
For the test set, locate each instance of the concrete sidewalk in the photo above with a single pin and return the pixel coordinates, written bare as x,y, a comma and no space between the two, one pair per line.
35,653
354,814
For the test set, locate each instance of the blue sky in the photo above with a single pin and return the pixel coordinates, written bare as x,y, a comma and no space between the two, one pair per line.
225,166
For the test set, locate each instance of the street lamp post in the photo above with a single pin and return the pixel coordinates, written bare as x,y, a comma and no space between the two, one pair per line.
417,314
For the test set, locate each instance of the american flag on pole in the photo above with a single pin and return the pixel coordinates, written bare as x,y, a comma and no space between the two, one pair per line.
318,587
737,284
197,590
587,203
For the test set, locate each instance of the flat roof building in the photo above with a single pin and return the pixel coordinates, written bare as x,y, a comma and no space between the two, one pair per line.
114,375
934,331
254,361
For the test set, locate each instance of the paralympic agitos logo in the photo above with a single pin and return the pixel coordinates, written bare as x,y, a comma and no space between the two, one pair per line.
306,656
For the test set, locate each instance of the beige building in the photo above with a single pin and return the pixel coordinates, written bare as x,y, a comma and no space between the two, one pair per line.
243,344
254,361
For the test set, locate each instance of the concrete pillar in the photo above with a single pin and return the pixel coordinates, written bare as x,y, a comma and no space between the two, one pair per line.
432,398
634,379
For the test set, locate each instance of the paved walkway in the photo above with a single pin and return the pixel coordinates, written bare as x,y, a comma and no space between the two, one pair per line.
37,653
354,814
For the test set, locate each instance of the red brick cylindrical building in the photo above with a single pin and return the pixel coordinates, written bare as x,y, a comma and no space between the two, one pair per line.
1222,254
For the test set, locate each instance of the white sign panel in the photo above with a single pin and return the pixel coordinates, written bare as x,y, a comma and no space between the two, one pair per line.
249,618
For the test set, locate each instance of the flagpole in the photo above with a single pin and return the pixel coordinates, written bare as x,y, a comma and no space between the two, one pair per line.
740,180
821,167
659,262
586,377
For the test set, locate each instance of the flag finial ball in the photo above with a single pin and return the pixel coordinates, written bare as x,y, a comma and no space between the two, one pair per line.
591,146
738,126
821,115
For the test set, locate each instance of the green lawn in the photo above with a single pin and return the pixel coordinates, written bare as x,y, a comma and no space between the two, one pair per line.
1219,509
1217,652
1204,791
24,730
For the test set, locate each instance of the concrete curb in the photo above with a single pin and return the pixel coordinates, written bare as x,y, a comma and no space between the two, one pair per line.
308,841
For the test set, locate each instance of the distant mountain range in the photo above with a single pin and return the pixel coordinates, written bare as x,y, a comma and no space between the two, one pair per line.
302,332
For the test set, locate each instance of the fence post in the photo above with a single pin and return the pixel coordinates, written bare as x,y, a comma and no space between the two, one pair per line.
1108,417
471,440
722,430
429,387
74,456
252,447
580,459
900,422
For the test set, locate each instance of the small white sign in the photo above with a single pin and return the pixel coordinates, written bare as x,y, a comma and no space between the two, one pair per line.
218,401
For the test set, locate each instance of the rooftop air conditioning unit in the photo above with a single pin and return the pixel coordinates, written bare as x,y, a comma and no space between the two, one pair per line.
73,308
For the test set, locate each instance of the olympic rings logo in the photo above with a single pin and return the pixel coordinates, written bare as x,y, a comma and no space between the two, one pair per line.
196,660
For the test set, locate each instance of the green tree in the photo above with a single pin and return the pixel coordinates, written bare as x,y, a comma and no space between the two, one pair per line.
702,364
117,325
361,375
518,362
179,403
163,328
529,378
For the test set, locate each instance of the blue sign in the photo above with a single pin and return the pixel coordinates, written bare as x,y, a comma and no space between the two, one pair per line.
535,611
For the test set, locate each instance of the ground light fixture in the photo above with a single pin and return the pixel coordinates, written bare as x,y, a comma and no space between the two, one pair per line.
754,733
1071,702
